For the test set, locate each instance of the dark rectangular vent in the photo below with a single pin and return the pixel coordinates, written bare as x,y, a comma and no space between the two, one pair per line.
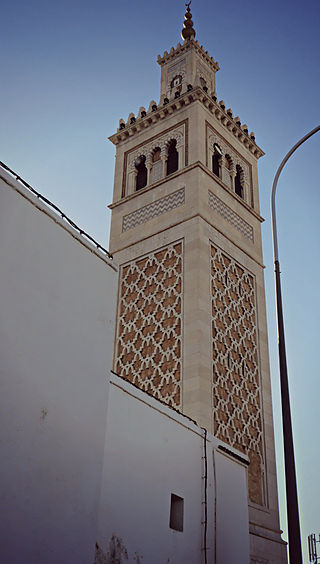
176,513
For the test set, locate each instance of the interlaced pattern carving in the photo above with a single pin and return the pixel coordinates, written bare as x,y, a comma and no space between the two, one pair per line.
150,320
236,388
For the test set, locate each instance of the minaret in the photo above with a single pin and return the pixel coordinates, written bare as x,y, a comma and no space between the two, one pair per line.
186,232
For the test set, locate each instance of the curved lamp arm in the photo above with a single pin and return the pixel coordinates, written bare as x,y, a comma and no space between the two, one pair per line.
274,187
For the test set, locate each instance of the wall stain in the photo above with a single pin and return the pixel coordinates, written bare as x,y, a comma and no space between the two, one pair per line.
116,554
44,413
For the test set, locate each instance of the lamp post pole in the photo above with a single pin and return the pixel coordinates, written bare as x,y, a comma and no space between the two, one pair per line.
290,472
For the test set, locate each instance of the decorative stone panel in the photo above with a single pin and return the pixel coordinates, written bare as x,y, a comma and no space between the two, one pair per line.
154,209
236,381
205,73
157,171
229,215
177,69
149,341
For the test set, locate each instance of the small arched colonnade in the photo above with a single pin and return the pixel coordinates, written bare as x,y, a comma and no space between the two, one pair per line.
228,166
154,162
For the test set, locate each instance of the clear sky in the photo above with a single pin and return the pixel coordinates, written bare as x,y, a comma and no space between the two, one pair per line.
70,70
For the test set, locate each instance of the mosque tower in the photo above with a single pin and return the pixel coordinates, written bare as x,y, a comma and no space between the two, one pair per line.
186,231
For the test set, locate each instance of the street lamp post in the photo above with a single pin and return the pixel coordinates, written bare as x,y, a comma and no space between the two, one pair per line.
290,472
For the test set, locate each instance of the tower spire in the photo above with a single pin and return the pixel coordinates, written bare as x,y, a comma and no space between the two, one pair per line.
188,32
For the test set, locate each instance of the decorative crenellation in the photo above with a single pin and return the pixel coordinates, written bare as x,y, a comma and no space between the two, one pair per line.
155,113
154,209
237,413
191,44
229,215
149,345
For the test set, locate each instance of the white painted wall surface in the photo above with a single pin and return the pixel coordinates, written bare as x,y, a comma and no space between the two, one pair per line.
232,517
151,452
57,301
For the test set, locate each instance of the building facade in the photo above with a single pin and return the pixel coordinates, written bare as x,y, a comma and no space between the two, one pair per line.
93,468
186,232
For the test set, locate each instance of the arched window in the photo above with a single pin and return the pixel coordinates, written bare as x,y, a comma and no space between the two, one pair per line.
173,158
141,179
216,159
176,81
156,155
238,182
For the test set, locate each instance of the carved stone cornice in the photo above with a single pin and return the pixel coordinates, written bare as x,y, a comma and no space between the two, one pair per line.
197,94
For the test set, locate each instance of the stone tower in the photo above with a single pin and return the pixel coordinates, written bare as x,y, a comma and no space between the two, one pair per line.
185,230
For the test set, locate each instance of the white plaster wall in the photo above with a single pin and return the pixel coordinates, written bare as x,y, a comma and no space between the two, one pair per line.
57,304
149,456
232,517
151,452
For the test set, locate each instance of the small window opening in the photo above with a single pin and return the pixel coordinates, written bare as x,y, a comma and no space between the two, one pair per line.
172,162
238,182
216,159
141,180
176,81
176,513
156,155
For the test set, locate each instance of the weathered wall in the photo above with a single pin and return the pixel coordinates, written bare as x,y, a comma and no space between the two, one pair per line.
152,452
57,305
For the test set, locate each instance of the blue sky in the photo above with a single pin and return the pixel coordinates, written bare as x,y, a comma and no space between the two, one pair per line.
70,70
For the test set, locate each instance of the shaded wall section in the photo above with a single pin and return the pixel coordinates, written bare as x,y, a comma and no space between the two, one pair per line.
57,305
153,491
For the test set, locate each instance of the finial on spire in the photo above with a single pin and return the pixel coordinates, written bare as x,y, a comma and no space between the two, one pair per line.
188,32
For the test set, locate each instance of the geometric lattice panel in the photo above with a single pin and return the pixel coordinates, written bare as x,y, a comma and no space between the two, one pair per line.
149,323
236,389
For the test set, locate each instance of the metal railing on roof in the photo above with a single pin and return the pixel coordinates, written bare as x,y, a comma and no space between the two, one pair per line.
56,209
